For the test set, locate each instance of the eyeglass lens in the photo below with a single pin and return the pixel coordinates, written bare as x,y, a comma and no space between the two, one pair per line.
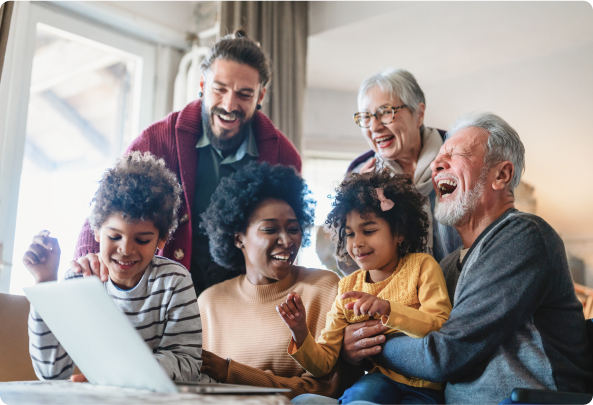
383,114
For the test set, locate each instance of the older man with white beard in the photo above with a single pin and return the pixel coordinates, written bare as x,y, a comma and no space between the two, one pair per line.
516,321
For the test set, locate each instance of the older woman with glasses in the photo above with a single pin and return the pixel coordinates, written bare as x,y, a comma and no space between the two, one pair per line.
391,115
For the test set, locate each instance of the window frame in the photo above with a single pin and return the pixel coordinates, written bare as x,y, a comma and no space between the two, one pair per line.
14,100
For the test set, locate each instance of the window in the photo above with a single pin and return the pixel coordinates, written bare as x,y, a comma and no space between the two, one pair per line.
90,90
322,177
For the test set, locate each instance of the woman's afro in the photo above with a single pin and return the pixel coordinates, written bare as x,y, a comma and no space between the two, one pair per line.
357,193
139,187
238,195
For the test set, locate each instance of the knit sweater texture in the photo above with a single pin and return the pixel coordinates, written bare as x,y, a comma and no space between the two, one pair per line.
240,322
516,321
174,139
163,309
419,302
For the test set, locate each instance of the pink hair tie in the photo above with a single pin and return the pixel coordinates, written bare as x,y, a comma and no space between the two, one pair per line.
386,203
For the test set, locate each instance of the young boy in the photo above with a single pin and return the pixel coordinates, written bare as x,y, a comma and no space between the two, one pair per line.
134,212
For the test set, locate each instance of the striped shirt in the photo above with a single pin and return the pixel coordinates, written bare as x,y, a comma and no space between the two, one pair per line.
162,307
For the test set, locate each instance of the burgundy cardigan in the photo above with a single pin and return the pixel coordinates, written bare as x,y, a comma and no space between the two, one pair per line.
174,138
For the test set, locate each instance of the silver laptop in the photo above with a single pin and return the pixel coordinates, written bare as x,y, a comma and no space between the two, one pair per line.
103,343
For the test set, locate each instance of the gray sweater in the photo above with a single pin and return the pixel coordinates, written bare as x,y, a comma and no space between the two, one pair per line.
516,321
162,307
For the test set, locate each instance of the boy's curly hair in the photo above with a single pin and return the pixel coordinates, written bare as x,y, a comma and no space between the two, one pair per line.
139,187
236,198
357,193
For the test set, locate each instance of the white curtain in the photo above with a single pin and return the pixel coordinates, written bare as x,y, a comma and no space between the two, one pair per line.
5,16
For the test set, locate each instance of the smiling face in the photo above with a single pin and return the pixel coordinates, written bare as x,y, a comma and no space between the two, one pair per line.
231,93
371,243
459,177
127,249
399,137
271,242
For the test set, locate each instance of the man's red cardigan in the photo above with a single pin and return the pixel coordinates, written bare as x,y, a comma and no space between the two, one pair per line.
174,138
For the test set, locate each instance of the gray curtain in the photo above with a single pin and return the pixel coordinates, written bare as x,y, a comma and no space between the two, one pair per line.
5,15
281,28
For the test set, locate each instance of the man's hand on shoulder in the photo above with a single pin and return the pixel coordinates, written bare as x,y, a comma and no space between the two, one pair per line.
362,340
90,265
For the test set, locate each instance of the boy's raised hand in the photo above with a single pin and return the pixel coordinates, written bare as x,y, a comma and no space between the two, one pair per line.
43,258
366,304
292,312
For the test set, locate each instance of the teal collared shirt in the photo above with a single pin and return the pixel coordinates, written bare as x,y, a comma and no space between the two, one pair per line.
249,146
213,166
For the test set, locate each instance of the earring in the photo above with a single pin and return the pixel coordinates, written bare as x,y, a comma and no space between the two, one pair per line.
200,94
399,243
258,107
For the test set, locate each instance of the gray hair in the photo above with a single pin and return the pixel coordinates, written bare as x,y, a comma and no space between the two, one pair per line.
399,83
503,143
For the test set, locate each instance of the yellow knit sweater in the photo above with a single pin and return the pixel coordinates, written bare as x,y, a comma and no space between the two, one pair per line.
417,293
240,321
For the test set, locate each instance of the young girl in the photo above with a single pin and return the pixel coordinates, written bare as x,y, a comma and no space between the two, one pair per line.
134,213
381,222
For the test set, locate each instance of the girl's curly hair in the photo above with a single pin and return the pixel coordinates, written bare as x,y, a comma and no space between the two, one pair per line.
139,187
237,196
357,193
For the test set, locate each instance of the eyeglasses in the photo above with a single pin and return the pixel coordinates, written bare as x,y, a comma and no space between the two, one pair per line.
384,115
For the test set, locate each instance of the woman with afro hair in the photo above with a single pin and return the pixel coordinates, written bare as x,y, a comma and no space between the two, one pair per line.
257,221
379,221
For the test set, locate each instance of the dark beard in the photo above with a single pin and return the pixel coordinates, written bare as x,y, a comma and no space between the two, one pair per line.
224,145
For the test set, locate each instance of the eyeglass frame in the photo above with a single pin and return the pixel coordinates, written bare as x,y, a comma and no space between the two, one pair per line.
393,109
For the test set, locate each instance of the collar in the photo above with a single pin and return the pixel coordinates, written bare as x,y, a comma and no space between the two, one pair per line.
248,146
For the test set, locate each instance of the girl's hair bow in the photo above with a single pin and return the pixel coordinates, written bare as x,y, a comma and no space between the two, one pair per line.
386,203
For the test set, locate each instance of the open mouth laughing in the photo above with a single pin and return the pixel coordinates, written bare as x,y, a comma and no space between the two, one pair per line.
124,265
282,257
446,187
384,141
227,118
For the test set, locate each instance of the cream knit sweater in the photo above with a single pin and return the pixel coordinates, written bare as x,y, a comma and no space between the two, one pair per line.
240,321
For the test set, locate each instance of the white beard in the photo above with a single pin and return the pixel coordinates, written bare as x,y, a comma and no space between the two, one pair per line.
455,211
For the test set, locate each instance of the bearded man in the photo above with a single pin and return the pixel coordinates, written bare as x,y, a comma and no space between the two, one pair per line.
208,140
516,320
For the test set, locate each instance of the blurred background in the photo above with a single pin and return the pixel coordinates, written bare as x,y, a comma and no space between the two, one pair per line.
81,79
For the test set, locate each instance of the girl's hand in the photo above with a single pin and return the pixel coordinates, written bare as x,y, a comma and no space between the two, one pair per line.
216,367
366,304
292,312
43,257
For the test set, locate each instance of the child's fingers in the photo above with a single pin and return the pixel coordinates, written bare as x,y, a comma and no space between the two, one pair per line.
299,303
30,258
282,313
352,294
49,243
292,306
104,271
364,306
287,310
39,251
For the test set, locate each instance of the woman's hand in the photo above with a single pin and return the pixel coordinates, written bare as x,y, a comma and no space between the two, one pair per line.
292,312
366,304
43,258
369,166
216,367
